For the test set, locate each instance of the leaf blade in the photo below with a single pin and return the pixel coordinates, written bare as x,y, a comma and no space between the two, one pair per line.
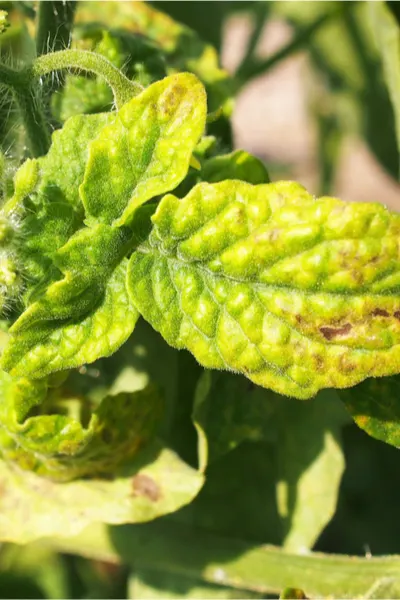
270,282
146,152
81,317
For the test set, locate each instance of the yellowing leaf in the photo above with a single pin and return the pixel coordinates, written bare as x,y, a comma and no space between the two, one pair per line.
156,483
81,317
146,151
295,292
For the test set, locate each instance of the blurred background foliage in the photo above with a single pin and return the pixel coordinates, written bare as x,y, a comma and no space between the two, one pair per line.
300,475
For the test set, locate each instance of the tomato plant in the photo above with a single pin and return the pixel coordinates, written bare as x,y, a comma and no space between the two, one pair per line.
131,229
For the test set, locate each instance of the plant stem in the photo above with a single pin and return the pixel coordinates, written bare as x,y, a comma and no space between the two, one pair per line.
82,60
32,115
24,85
253,68
34,121
180,549
55,19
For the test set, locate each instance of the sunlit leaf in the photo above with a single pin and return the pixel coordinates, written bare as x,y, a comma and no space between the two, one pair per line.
156,483
63,167
81,317
296,293
146,151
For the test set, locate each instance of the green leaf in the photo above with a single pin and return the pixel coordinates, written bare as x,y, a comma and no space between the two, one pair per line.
297,293
387,35
310,466
45,209
146,151
55,444
228,410
295,454
155,483
81,317
49,176
374,405
63,167
236,165
126,475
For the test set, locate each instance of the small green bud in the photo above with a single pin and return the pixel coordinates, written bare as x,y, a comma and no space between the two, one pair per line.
10,281
26,178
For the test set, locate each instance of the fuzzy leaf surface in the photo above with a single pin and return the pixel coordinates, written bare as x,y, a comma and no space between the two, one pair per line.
296,293
63,167
374,405
146,151
80,317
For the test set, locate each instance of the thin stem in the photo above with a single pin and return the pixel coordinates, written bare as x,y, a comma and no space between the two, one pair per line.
8,77
32,115
81,60
261,10
55,20
176,548
251,69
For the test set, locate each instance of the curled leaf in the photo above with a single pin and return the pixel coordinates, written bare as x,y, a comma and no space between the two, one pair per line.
296,293
41,428
80,317
146,151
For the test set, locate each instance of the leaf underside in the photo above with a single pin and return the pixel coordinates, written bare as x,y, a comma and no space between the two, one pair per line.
296,293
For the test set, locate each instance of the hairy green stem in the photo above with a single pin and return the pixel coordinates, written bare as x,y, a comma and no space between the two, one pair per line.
31,112
176,548
34,121
24,84
55,19
82,60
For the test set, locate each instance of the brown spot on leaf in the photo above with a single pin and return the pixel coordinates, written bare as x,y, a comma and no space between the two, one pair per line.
143,485
331,333
171,99
380,312
397,314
